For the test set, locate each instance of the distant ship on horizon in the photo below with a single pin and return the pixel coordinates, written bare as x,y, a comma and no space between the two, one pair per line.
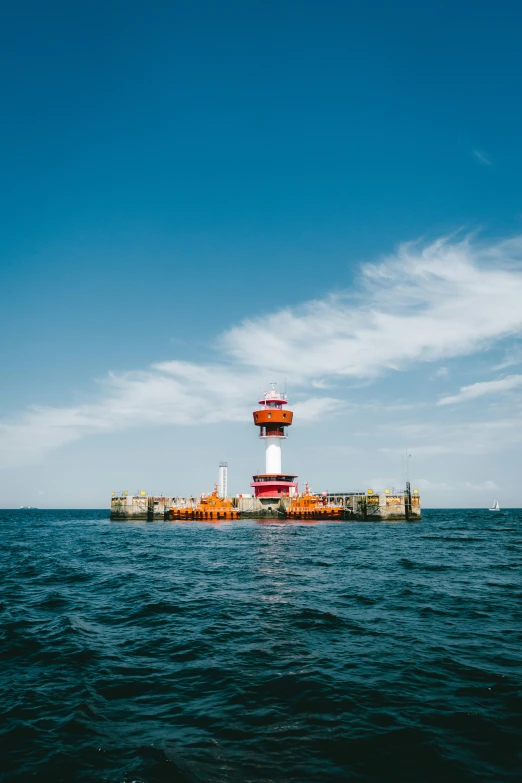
495,506
31,507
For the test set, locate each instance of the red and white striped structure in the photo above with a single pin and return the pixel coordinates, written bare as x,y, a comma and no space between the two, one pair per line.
272,419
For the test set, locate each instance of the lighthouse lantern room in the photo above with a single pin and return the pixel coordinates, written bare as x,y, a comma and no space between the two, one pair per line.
272,419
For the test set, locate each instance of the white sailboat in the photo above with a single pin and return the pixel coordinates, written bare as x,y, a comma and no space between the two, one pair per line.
495,506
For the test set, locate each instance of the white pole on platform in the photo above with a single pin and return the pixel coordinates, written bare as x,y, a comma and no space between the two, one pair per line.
273,455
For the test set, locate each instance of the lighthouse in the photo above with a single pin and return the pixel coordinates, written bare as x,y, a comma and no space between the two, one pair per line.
273,418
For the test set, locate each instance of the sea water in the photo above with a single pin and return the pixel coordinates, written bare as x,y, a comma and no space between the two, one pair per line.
250,651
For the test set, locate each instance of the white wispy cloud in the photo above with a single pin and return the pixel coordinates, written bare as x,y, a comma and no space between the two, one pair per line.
423,304
428,484
481,156
168,393
433,438
485,486
512,357
483,388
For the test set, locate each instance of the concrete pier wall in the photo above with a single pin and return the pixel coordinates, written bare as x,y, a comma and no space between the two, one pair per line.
390,507
140,507
370,506
260,507
129,507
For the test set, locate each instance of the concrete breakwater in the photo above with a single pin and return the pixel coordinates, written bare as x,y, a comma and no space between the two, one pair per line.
386,505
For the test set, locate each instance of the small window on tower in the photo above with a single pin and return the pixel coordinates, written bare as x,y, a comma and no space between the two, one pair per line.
284,415
269,415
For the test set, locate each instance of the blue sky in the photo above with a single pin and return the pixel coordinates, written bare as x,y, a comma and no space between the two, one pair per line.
201,198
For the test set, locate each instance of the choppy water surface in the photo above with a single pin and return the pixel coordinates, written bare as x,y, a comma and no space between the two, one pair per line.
245,651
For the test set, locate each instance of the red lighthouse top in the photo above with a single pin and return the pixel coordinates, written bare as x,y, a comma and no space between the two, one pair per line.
271,419
273,399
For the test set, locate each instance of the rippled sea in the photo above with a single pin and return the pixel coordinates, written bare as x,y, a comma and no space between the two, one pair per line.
249,651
